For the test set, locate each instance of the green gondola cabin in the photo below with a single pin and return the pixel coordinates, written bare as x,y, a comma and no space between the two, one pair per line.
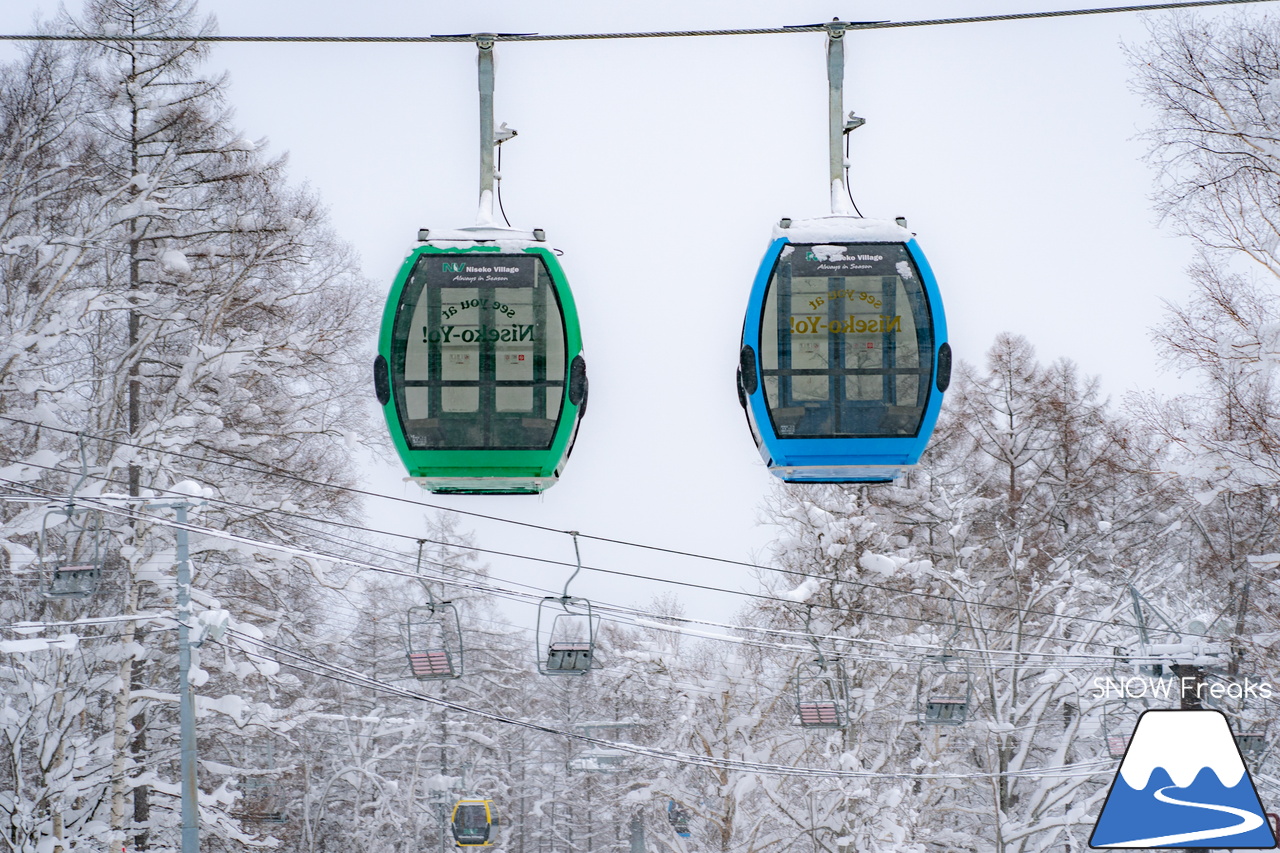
480,370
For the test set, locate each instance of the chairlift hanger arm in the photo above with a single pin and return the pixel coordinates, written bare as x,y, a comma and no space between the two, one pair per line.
564,597
820,658
513,37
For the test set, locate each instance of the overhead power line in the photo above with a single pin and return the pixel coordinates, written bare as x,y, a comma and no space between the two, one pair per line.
317,666
514,595
265,470
847,26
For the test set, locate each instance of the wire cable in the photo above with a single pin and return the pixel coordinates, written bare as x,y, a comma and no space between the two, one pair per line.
317,666
267,471
512,594
497,188
779,640
848,187
307,553
845,26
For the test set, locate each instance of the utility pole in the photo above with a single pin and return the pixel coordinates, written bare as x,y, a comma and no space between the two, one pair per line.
186,699
637,834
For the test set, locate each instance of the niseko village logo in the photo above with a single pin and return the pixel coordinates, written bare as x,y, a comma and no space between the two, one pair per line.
1183,784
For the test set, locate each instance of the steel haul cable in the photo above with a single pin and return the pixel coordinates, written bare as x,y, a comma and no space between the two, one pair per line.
536,37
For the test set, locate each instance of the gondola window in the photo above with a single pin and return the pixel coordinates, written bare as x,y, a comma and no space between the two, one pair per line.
846,342
479,344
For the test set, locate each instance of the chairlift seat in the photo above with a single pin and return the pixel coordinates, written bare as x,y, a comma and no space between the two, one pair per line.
433,663
946,712
263,814
820,715
568,657
1117,745
1251,744
74,581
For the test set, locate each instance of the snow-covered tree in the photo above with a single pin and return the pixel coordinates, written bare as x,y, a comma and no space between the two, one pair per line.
1215,88
170,297
1009,552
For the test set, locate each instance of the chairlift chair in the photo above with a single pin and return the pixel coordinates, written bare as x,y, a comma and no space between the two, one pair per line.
1248,714
568,637
945,691
1118,722
261,802
71,546
433,633
822,695
1249,723
262,797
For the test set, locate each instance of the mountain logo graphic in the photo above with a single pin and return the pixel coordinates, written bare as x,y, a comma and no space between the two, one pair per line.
1183,784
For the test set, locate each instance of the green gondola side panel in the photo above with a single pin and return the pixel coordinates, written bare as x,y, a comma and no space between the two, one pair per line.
480,370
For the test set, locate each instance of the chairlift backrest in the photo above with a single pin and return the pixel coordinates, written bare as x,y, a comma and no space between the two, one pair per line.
599,761
564,657
820,715
431,664
941,711
1251,744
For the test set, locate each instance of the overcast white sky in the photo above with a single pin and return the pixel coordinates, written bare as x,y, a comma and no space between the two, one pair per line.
659,165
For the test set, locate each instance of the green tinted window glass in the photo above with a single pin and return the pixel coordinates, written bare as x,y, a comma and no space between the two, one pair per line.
846,342
478,353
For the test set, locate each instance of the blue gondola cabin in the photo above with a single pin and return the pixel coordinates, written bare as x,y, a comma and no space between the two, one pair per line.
844,353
